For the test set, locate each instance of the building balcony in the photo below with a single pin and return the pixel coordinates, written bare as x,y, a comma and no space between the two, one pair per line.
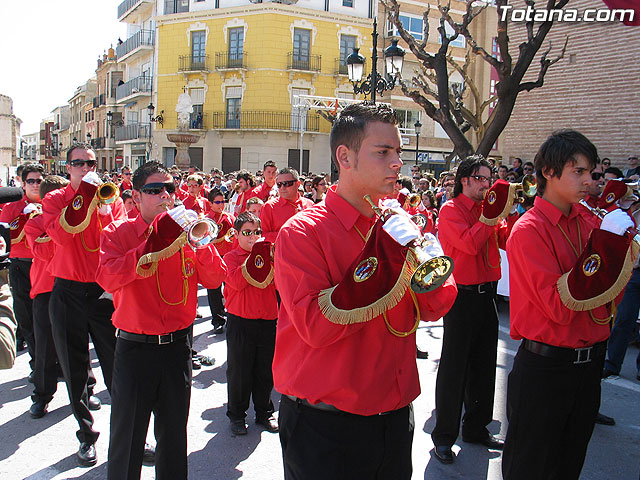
307,63
231,61
129,6
99,100
197,121
138,43
261,120
340,67
193,63
133,131
98,143
139,86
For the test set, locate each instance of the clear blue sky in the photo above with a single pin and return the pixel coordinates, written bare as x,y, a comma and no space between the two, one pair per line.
50,47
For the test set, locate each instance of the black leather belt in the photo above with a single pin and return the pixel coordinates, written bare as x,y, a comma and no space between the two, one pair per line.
156,339
569,355
480,288
325,407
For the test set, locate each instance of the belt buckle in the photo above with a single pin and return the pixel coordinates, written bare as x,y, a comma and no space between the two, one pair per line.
480,288
168,336
579,351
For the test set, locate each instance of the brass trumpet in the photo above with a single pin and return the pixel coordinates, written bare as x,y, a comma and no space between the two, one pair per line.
413,200
434,266
108,193
526,189
201,231
601,212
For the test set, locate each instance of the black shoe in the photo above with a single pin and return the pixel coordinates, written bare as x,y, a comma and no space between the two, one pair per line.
149,455
238,428
604,420
609,373
20,345
487,440
421,354
195,363
38,409
198,315
443,453
87,454
270,424
30,377
94,403
218,328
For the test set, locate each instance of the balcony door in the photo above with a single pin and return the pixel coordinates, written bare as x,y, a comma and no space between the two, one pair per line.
301,48
197,50
236,45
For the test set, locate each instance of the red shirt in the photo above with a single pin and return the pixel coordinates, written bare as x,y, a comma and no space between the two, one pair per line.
262,191
153,305
10,212
224,221
198,205
539,254
360,368
277,211
41,279
473,245
126,185
133,213
241,204
181,194
245,300
76,254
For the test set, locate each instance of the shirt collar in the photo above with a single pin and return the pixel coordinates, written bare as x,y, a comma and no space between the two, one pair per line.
552,212
346,213
465,201
140,225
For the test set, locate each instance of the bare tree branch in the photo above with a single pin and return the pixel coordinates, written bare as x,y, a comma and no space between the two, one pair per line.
544,66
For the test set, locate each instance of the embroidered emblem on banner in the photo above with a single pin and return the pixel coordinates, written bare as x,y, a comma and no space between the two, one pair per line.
591,264
259,261
189,267
14,224
491,198
365,269
610,198
77,202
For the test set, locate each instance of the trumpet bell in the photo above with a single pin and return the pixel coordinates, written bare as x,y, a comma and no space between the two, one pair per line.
108,193
529,186
420,220
202,232
435,267
414,200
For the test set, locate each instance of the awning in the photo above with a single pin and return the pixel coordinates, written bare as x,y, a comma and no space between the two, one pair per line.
130,104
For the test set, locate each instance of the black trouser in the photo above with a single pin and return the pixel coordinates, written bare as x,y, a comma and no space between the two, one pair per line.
551,408
150,378
20,284
214,295
76,310
250,346
341,446
467,369
45,373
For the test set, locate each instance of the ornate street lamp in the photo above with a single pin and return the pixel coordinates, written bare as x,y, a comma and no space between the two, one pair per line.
417,126
159,119
375,82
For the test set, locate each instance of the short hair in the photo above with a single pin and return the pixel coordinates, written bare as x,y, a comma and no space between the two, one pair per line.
245,217
195,178
316,180
81,146
405,182
246,176
518,159
559,149
145,171
19,170
126,167
349,128
528,164
503,166
615,170
31,168
213,193
269,163
126,194
51,183
469,166
292,171
254,200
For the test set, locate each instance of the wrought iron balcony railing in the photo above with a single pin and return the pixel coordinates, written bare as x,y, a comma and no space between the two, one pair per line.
138,39
299,61
261,120
133,131
136,85
198,121
193,63
231,60
341,67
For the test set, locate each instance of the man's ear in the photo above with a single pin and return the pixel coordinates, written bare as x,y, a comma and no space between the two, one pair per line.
135,195
345,157
548,172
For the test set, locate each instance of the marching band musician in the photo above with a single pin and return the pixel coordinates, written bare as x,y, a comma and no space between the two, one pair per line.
472,229
153,276
251,329
45,373
195,201
16,214
278,210
224,221
345,356
73,219
569,275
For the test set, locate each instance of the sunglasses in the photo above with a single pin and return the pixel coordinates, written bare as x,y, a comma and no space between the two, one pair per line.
597,175
33,181
157,188
82,163
606,163
481,178
288,183
217,202
248,233
128,174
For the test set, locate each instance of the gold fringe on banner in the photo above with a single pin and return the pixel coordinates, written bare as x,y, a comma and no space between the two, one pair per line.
251,281
84,224
505,211
153,258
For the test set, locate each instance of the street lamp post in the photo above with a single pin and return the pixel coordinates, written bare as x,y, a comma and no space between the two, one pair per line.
112,123
417,127
375,82
157,119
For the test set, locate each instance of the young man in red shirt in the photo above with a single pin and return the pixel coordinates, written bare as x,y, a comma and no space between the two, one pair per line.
16,214
566,276
245,191
252,310
126,179
269,172
347,370
153,275
195,201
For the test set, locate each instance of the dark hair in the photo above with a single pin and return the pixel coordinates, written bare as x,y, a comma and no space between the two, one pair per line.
616,171
269,163
19,170
245,217
246,176
316,180
30,168
405,182
51,183
213,193
126,194
503,166
145,171
469,166
558,150
349,128
432,197
528,164
75,146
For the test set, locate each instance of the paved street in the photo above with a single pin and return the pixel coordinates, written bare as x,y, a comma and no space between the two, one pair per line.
45,448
